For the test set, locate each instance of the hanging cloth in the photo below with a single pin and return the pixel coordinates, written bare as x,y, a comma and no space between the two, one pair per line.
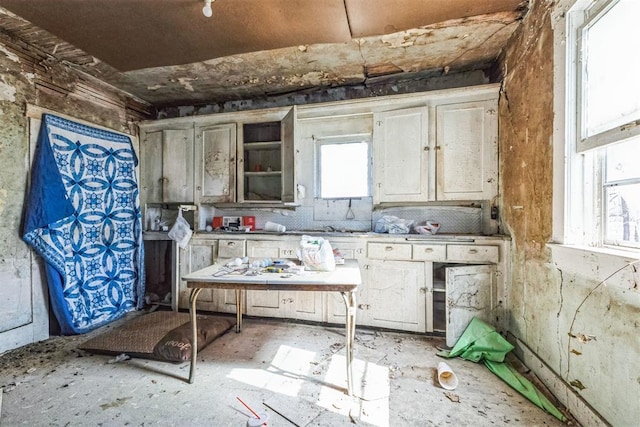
83,217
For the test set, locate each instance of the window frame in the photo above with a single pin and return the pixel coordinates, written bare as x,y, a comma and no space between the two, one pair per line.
336,140
583,194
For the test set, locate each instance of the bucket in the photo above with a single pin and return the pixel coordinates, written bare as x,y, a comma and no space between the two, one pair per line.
446,377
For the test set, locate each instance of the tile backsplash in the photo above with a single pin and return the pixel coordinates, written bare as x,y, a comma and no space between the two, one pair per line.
332,215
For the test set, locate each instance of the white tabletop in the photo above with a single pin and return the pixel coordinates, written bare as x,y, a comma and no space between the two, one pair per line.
345,275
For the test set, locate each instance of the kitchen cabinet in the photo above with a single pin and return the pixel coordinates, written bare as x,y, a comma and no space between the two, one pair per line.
201,253
265,166
397,295
467,291
467,151
417,286
401,156
451,157
350,249
215,159
166,165
282,304
198,254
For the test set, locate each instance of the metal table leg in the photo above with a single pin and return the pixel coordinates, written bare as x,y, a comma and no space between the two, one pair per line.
194,333
238,310
349,299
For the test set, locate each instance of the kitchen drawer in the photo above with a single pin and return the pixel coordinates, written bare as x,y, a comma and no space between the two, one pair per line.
272,249
473,253
350,250
429,252
397,251
228,248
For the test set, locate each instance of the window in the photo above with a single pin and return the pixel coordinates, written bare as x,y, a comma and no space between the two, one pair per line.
603,95
343,167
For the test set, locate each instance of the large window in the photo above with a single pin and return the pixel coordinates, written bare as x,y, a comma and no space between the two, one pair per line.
604,138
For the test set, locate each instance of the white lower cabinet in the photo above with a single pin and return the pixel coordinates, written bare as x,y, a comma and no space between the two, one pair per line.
199,254
396,295
470,292
282,304
426,287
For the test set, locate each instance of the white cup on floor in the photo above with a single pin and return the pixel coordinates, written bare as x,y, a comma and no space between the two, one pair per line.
446,377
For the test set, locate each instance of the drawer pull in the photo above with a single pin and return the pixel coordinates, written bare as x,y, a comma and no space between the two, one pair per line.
232,244
388,248
473,251
428,250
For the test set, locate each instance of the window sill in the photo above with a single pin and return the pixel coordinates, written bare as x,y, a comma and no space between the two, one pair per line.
597,264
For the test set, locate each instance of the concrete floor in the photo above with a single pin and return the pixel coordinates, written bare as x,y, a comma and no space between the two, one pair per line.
297,370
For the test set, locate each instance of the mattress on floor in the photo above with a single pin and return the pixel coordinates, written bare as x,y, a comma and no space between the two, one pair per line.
161,335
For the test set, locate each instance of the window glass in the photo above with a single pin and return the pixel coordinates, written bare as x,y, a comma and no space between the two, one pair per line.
622,193
611,88
344,169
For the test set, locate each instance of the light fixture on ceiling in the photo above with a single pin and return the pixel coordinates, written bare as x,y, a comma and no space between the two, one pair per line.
206,10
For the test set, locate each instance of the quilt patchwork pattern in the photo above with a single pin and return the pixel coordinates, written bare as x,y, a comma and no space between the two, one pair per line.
83,217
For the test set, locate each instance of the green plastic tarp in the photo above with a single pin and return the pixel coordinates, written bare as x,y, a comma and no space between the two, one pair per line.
480,342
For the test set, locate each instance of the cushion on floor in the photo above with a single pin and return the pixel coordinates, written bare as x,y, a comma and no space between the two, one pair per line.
161,335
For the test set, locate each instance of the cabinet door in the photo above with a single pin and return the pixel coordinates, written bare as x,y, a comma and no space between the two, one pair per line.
199,254
288,157
467,151
166,167
283,304
335,307
401,156
395,295
215,163
471,292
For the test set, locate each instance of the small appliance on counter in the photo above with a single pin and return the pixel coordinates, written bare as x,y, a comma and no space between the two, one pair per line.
234,223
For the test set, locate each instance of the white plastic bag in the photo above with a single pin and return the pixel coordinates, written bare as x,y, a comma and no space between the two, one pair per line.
316,253
181,231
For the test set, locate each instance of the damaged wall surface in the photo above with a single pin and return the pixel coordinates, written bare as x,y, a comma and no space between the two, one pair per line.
29,78
584,332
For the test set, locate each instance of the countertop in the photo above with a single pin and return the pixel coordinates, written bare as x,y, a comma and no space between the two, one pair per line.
163,235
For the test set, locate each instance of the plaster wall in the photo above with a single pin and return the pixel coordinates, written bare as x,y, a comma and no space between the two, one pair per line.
26,77
576,321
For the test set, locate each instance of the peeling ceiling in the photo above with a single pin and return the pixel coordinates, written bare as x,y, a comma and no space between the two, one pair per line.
167,53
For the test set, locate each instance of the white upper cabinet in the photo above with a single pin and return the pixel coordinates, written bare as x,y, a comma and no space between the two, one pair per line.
215,163
467,151
166,165
446,150
401,156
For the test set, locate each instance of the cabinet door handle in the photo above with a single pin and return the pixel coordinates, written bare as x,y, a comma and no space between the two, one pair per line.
366,267
426,148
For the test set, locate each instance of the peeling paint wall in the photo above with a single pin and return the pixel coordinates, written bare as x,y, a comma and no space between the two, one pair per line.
25,78
584,332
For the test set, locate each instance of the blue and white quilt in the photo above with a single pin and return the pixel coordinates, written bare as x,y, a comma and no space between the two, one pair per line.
83,217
